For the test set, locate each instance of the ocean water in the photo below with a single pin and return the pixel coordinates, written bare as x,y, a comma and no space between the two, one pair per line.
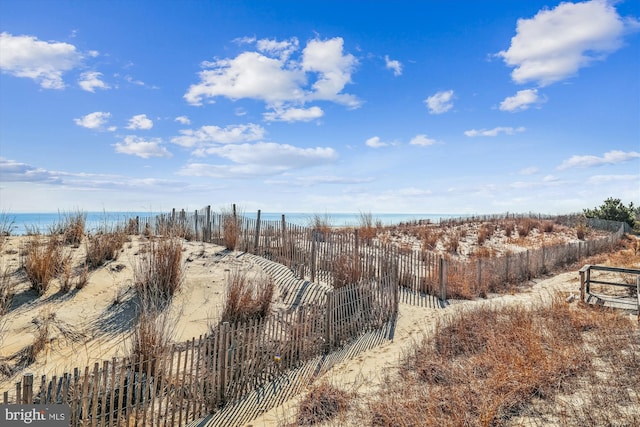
24,223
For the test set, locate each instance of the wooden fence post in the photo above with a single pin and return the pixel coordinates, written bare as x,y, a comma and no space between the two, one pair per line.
27,389
283,229
313,260
208,226
441,279
195,224
479,278
638,295
256,240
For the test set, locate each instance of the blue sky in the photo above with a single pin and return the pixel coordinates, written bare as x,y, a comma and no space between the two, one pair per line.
331,106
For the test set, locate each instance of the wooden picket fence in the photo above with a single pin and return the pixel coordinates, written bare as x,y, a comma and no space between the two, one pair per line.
201,376
424,277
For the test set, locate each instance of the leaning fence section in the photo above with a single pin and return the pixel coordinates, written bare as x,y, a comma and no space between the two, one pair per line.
206,374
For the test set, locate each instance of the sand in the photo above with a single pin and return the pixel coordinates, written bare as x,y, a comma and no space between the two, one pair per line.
94,323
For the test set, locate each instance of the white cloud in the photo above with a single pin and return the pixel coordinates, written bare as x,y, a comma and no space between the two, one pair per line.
95,120
440,103
556,43
422,140
282,49
184,120
260,159
142,147
528,171
521,100
605,179
43,62
210,135
494,132
393,65
609,158
140,121
333,68
294,114
375,142
90,81
12,171
270,76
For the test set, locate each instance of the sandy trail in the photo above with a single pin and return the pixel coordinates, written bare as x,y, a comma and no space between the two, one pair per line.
366,372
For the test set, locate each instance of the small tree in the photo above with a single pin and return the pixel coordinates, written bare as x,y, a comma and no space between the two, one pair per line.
613,210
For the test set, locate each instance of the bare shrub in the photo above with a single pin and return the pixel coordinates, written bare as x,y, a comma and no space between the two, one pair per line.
42,262
104,247
323,403
158,274
247,298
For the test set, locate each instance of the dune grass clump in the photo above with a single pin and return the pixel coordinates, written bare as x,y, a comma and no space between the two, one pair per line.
367,229
247,298
231,231
490,365
7,289
159,274
104,247
71,226
323,403
346,271
42,262
152,335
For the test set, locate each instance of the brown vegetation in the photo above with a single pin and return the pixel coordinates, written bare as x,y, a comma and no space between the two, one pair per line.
158,273
247,299
104,247
488,366
323,403
42,262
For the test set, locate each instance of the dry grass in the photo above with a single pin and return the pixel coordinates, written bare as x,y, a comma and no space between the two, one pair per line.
581,230
230,229
323,403
491,366
152,335
104,247
367,230
526,225
43,330
71,226
42,262
7,289
346,271
246,298
158,273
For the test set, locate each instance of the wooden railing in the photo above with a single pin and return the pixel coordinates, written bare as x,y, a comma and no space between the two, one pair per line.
586,280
